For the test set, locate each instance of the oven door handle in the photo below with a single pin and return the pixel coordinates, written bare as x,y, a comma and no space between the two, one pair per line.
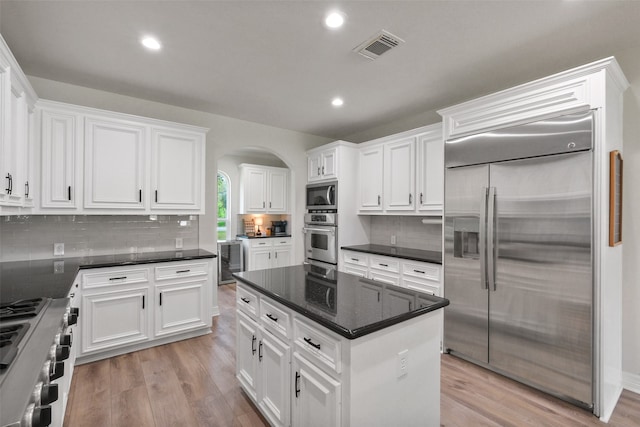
321,230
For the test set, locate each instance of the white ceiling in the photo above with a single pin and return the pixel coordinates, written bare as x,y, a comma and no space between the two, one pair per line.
273,62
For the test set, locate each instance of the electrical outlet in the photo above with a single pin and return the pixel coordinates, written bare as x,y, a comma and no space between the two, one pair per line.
393,239
58,249
58,267
403,363
178,242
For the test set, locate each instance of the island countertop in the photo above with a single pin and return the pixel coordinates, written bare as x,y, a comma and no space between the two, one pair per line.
349,305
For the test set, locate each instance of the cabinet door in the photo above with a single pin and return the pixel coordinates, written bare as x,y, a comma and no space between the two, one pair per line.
60,159
329,167
371,170
274,360
114,164
246,353
114,319
177,170
431,168
29,162
278,191
281,256
371,295
259,259
5,132
254,190
396,302
314,167
316,396
180,307
12,193
400,175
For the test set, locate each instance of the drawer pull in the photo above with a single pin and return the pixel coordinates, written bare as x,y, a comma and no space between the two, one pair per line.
118,278
355,259
383,265
245,300
311,343
297,384
182,271
272,317
418,271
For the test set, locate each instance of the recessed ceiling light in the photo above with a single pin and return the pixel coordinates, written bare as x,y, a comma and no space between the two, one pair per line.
151,43
334,19
337,102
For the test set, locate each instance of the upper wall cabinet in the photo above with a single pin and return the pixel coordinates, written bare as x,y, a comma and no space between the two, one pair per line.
177,169
322,165
17,99
130,164
403,174
263,189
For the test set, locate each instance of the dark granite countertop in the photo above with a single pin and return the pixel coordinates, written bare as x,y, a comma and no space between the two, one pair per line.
398,252
52,278
242,236
346,304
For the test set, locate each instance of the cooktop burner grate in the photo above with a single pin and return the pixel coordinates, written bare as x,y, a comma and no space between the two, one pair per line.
21,309
10,336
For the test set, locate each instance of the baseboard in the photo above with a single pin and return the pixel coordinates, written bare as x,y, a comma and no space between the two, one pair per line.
631,382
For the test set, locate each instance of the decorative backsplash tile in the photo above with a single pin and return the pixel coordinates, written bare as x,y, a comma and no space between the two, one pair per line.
33,236
410,232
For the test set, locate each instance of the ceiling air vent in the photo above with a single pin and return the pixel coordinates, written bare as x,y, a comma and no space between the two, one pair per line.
378,44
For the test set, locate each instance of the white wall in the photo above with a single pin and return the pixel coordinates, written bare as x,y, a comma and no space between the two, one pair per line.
226,136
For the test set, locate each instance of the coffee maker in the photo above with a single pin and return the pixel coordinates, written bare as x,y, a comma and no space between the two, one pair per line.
279,228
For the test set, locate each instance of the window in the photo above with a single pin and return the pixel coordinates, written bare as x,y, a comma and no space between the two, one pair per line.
223,206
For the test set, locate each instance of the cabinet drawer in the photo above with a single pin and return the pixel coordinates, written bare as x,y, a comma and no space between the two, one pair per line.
275,319
177,271
260,243
385,264
389,278
426,286
114,277
318,345
247,301
356,259
281,241
422,271
356,270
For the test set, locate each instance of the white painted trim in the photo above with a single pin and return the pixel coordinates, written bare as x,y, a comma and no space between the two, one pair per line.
631,382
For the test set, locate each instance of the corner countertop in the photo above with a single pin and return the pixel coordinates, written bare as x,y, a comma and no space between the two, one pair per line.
350,313
52,278
398,252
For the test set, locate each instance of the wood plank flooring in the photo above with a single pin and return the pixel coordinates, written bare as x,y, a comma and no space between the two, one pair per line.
192,383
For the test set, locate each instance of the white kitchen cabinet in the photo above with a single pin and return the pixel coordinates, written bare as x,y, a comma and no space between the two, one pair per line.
114,164
263,189
267,253
138,306
371,167
17,98
263,368
113,319
61,152
317,396
177,170
431,172
322,165
400,175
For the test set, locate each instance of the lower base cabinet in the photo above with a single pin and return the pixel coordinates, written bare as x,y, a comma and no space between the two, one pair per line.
308,376
129,308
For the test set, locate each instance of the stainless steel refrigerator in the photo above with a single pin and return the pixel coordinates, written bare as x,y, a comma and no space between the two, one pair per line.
518,267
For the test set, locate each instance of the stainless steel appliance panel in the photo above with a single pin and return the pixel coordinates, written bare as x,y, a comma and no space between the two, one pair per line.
322,196
321,243
540,317
466,318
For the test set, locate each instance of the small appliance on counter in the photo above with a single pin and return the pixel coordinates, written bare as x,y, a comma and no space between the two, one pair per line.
279,228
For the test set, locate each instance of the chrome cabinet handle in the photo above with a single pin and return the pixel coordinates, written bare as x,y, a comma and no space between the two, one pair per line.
420,198
410,198
26,189
378,200
253,347
323,170
318,170
296,386
311,343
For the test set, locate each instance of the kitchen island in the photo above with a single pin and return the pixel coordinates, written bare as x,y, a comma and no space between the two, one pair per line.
337,350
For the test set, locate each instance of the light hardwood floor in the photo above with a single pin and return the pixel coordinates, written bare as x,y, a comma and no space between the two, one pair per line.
192,383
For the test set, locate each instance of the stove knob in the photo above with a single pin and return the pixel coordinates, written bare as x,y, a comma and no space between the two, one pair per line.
75,311
64,339
62,352
70,319
37,416
56,371
49,394
47,368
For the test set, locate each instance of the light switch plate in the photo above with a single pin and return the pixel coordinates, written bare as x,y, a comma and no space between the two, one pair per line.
178,242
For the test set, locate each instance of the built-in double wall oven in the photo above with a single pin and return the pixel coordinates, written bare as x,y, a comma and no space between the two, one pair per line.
321,239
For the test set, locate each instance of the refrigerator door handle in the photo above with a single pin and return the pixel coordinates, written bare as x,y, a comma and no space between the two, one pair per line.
491,238
482,240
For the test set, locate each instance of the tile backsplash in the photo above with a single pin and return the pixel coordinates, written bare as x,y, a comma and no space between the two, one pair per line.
33,236
410,232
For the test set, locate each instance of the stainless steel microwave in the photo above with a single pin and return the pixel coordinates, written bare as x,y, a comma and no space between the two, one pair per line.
322,196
